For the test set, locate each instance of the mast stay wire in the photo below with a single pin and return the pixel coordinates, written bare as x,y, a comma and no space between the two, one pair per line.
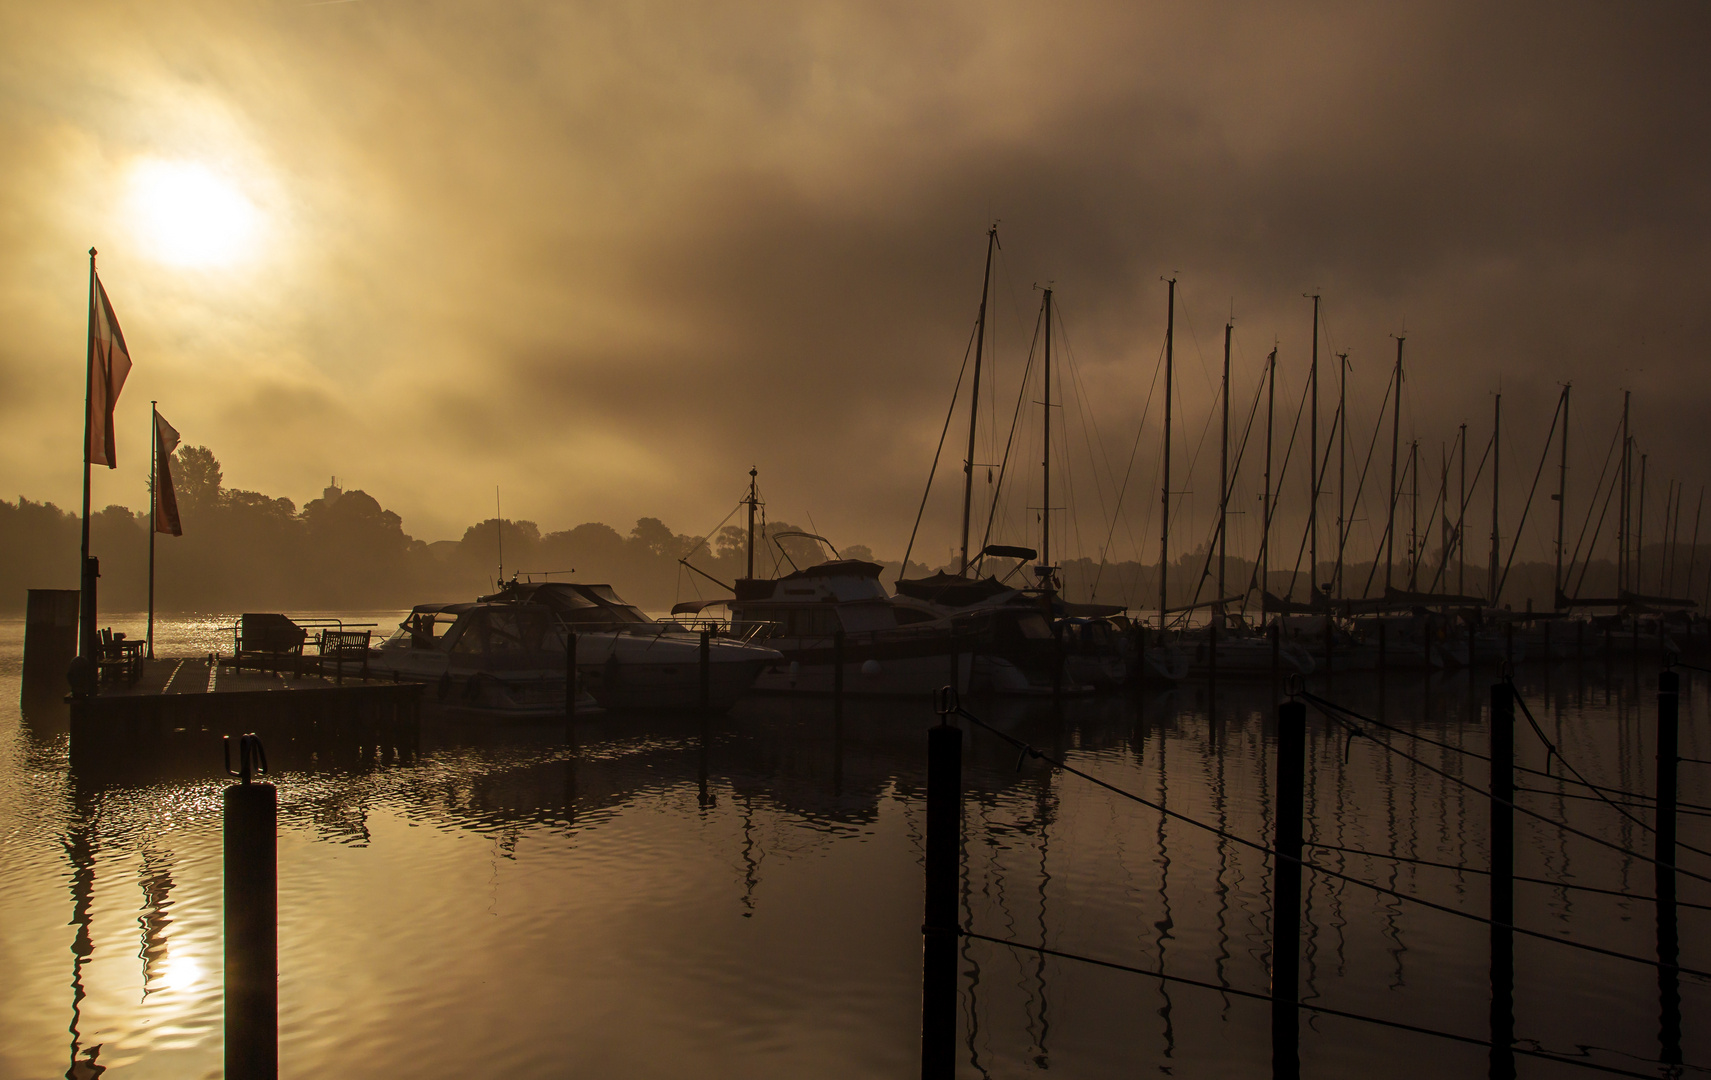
1029,751
1009,442
1586,522
943,433
1527,507
1335,712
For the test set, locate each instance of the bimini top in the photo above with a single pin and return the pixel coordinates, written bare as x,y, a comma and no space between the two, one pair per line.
953,590
572,601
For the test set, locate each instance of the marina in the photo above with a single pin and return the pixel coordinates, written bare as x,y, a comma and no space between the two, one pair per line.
663,888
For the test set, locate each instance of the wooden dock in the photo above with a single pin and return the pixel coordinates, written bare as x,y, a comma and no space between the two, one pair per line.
169,724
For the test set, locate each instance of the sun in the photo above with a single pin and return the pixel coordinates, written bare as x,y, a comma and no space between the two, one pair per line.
190,215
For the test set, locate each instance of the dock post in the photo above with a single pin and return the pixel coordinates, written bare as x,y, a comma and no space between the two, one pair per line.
1669,941
50,643
1286,891
1502,1059
1330,646
571,681
252,919
939,928
1276,653
1383,645
838,674
706,670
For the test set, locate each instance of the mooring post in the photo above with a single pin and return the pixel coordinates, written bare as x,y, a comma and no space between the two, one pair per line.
1502,1060
1330,644
939,930
572,688
1383,645
1669,941
1212,654
1276,651
838,674
252,918
706,670
1286,891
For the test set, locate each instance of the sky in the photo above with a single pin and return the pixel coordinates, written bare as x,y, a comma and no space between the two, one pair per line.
607,257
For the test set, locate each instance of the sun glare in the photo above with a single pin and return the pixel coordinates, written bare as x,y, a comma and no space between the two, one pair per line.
189,215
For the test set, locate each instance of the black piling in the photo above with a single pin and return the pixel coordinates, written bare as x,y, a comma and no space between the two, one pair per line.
252,920
1276,654
1502,1059
572,684
939,930
1383,646
50,642
838,675
1286,892
1669,941
706,671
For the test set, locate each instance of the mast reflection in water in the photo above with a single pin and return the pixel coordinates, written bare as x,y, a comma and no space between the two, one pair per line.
743,899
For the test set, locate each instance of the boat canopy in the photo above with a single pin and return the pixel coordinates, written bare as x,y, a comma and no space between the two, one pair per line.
954,590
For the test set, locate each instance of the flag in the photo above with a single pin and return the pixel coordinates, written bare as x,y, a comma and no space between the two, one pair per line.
165,499
109,363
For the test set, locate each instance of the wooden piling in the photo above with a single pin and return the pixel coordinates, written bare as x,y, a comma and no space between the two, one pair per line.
706,670
572,684
1286,891
939,927
1669,941
838,674
1502,913
252,924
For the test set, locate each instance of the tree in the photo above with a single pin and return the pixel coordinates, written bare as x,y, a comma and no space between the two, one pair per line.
196,478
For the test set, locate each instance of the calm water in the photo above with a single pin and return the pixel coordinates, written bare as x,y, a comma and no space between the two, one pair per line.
653,904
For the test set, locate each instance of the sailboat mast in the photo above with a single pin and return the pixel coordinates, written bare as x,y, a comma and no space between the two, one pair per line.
1265,500
1625,520
1313,466
1693,547
1414,518
1342,462
974,399
1562,496
1046,509
1461,522
1640,532
1224,476
753,501
1164,527
1395,452
1496,474
1444,521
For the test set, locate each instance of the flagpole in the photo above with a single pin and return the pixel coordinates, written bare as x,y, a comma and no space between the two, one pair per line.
154,507
86,582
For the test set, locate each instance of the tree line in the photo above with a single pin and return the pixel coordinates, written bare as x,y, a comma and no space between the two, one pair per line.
242,550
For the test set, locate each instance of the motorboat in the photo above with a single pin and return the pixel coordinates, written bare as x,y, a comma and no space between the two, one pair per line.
507,652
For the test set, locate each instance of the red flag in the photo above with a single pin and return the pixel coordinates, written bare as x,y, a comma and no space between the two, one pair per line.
109,364
165,499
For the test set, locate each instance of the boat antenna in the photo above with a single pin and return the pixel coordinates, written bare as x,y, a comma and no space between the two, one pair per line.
499,532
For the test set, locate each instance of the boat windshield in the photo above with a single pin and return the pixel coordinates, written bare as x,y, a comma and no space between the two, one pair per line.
612,608
423,629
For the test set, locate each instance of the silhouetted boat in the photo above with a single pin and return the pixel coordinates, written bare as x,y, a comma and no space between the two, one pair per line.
506,652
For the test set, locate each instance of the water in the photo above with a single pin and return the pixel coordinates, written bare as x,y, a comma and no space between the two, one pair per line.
655,905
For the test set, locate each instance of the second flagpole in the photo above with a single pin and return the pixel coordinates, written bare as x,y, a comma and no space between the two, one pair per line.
154,508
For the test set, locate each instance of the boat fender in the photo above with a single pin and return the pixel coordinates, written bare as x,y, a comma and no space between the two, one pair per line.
445,688
795,668
870,668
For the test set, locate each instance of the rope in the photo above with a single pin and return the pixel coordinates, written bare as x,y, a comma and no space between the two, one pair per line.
1330,708
1028,751
1323,1010
1513,877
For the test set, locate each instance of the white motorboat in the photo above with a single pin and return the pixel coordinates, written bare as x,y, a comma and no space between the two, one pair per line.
507,652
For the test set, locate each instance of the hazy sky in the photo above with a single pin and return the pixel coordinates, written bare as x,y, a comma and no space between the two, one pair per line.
610,255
